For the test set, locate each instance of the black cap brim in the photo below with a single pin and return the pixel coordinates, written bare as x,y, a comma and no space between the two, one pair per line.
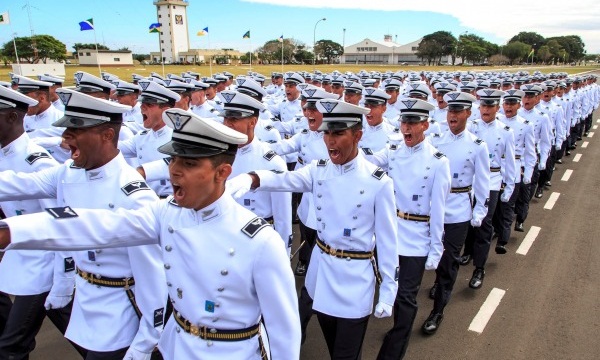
77,122
175,148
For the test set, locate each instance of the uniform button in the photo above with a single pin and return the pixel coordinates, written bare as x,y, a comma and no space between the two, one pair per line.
358,205
209,343
231,251
180,293
220,289
318,208
168,248
252,208
425,178
170,229
111,206
213,331
391,168
97,264
217,304
169,284
98,251
224,272
167,266
177,329
392,159
318,182
319,219
140,157
319,195
362,192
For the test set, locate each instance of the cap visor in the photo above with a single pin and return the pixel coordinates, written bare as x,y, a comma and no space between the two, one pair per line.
235,114
77,122
175,148
337,125
412,118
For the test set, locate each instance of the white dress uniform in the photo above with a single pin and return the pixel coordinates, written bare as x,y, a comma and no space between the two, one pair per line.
310,147
37,271
292,127
525,156
421,178
342,287
541,131
434,127
557,118
469,168
376,137
133,119
567,107
275,205
40,126
216,103
103,318
205,110
244,271
286,110
143,146
266,132
58,105
392,113
500,142
440,116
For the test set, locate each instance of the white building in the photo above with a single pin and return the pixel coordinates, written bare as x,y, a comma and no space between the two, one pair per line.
385,52
104,57
174,36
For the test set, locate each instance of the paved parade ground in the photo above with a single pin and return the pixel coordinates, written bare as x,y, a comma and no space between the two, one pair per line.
541,298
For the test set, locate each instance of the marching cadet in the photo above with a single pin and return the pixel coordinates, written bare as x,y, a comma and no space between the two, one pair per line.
422,92
245,275
392,111
440,113
525,158
340,279
421,177
184,91
376,131
542,134
500,142
155,100
290,106
264,129
127,94
211,93
557,117
241,114
567,106
470,171
93,85
57,83
41,281
353,92
337,86
200,106
276,88
119,304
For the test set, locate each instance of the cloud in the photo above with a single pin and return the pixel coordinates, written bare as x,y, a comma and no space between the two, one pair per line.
502,19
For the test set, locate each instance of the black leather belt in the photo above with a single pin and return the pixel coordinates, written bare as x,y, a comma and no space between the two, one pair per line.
495,169
517,157
342,254
412,217
270,220
459,190
209,333
99,280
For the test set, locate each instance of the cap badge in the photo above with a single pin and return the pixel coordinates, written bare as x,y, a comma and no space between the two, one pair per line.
144,85
64,97
168,82
349,83
454,96
329,106
409,103
369,91
228,96
488,92
78,76
310,92
241,81
179,120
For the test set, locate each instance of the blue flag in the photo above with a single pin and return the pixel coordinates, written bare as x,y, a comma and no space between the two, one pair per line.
86,25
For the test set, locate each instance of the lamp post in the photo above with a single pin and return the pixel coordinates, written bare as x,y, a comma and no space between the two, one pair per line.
315,40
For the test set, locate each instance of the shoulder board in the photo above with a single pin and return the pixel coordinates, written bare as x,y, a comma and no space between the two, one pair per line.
72,166
439,155
62,212
135,186
167,160
322,162
367,151
36,156
269,127
269,155
173,202
478,141
304,131
144,132
506,128
277,171
254,226
378,173
393,147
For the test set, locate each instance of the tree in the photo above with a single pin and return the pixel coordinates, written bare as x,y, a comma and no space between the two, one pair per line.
271,50
531,38
140,57
472,48
436,45
46,47
498,59
573,45
303,56
515,51
328,49
78,46
544,53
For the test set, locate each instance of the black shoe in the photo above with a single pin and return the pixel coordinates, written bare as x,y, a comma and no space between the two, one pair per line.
548,183
465,259
300,269
500,249
559,161
432,323
477,278
579,138
433,290
586,133
572,147
567,153
519,227
539,192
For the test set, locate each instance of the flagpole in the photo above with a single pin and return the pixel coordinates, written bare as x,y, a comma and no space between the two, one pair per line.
282,54
209,55
250,53
97,54
15,44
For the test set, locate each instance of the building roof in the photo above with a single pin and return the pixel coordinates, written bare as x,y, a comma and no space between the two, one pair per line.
107,51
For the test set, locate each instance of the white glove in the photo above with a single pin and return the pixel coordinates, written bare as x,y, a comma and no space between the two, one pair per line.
57,302
476,222
238,186
133,354
541,167
382,310
526,181
431,264
504,197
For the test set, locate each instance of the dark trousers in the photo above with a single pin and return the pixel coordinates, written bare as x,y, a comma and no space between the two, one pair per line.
24,322
560,153
305,309
344,337
5,306
504,215
479,239
106,355
454,239
588,123
396,340
526,193
310,236
546,175
572,136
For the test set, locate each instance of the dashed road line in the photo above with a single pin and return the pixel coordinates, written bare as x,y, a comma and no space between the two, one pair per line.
591,134
584,144
528,240
595,127
567,175
487,310
551,201
577,158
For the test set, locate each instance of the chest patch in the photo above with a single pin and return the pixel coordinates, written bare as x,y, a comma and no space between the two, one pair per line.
36,156
134,186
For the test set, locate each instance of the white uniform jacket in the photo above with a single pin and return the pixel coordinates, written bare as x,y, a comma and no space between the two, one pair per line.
421,177
205,110
525,157
40,126
225,269
37,271
541,131
469,166
103,318
133,119
355,211
376,137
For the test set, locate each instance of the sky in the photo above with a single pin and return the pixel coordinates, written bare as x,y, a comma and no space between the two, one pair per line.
122,23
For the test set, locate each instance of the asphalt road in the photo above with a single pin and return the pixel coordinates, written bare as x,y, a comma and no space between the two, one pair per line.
549,309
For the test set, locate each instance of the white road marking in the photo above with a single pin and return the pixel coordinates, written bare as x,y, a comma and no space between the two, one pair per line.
584,145
577,158
567,175
595,127
528,241
598,121
551,201
591,134
487,310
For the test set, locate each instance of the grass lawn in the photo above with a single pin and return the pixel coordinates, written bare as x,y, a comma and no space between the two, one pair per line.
145,70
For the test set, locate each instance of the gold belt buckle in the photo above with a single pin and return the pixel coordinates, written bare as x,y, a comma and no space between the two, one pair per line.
194,330
332,251
126,280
